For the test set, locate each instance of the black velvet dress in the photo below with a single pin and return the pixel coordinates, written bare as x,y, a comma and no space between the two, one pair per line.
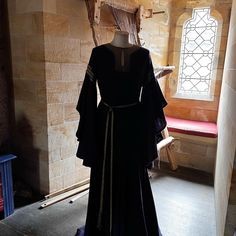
117,139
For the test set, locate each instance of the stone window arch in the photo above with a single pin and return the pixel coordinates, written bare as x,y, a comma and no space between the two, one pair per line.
197,54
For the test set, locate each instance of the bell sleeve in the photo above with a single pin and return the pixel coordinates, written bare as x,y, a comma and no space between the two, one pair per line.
87,108
153,103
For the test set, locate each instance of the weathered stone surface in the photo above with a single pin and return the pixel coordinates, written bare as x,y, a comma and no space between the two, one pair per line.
55,114
226,155
224,9
36,48
19,49
56,184
25,90
60,86
33,91
197,149
82,173
49,6
68,165
22,24
53,71
69,179
68,151
230,64
54,156
70,112
48,73
40,175
73,72
62,50
26,6
55,97
165,2
38,23
199,3
55,169
72,8
80,29
62,135
86,49
72,96
56,25
30,71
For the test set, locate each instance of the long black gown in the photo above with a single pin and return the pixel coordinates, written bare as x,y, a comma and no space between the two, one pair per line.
118,138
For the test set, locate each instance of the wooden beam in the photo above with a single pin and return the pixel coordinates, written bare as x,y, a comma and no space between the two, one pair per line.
64,196
84,182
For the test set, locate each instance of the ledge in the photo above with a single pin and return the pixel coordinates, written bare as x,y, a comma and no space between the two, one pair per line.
190,127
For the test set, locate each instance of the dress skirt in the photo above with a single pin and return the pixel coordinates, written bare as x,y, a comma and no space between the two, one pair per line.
120,198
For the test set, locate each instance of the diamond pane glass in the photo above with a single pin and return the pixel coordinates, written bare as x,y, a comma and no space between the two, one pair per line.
197,53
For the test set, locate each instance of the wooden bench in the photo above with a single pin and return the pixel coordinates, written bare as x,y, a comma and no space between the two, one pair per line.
196,146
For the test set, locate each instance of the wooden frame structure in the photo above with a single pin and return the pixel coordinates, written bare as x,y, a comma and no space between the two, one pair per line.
139,10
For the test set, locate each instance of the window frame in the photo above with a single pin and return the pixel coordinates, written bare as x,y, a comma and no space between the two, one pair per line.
178,44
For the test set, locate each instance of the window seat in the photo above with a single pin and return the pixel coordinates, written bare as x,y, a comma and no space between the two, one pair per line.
190,127
195,146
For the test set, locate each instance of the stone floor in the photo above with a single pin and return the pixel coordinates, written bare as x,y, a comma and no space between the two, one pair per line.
184,203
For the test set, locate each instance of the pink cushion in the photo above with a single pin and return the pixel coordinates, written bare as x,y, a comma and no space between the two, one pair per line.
198,128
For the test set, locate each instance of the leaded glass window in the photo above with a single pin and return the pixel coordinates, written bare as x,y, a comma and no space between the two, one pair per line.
197,54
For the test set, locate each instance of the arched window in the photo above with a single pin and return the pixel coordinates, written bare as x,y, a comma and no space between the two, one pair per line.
197,55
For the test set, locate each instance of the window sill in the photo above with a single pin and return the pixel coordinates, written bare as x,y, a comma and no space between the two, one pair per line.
193,97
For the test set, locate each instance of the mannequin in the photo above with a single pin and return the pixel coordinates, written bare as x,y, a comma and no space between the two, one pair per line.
121,39
117,138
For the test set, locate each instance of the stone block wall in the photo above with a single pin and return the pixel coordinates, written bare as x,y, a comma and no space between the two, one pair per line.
30,100
68,44
155,33
225,188
188,108
51,43
193,152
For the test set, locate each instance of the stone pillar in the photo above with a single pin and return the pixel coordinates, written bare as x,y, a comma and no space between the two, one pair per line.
225,189
68,44
27,51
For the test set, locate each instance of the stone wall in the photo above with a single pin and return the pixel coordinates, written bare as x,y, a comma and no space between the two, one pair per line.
187,108
225,189
155,33
194,152
68,43
51,43
27,51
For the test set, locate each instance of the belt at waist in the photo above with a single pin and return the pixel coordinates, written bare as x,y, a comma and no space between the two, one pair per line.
119,106
109,118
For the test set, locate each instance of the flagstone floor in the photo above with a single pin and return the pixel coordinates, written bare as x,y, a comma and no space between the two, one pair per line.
184,203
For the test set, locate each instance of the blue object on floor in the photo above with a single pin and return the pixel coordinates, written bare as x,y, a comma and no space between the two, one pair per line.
7,186
80,231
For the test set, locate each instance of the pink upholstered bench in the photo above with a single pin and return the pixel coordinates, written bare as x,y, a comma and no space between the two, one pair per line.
198,128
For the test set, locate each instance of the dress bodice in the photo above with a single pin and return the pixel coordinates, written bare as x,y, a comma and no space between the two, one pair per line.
120,74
